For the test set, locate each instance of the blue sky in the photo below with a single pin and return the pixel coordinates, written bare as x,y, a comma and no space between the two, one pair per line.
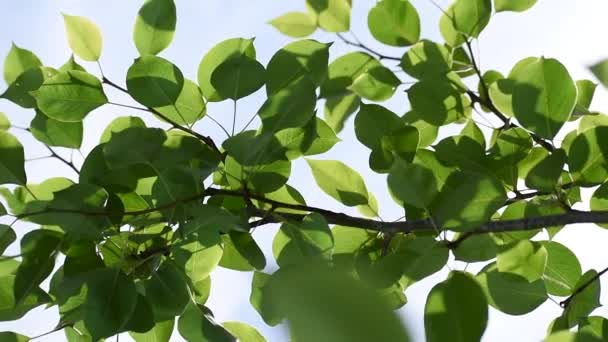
572,31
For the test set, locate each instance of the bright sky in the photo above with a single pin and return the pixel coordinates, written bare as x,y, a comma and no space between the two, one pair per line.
571,31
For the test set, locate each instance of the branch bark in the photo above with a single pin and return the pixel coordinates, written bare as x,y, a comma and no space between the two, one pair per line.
412,226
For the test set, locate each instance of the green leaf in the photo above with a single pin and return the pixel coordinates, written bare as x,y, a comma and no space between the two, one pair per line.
5,124
7,236
103,298
373,122
587,157
325,138
585,90
197,324
295,24
562,270
525,258
438,102
227,49
426,60
331,295
338,109
543,97
594,325
9,310
189,107
394,22
511,293
456,310
600,70
513,5
290,107
120,124
244,332
413,183
241,252
376,84
17,62
144,146
167,292
599,201
19,92
475,248
154,26
569,336
305,58
297,243
39,248
70,96
199,254
339,181
12,160
237,77
586,300
56,133
343,71
332,15
71,65
270,315
426,131
545,172
467,200
160,333
466,17
154,81
13,337
84,37
421,257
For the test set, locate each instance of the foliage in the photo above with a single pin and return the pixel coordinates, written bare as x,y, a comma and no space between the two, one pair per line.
130,243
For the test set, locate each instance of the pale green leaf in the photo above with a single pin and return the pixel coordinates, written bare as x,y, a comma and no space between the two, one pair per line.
84,37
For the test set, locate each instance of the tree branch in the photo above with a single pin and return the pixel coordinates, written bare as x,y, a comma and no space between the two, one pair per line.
564,304
490,105
422,225
205,139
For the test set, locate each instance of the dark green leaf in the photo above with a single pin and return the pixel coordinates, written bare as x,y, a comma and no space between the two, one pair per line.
160,333
237,77
241,252
230,48
197,325
426,60
456,310
511,293
154,81
154,26
12,160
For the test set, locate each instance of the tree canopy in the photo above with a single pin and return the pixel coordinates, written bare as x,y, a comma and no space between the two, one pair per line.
130,238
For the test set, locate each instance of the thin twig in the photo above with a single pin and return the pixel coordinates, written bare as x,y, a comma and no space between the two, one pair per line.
207,140
366,48
63,160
